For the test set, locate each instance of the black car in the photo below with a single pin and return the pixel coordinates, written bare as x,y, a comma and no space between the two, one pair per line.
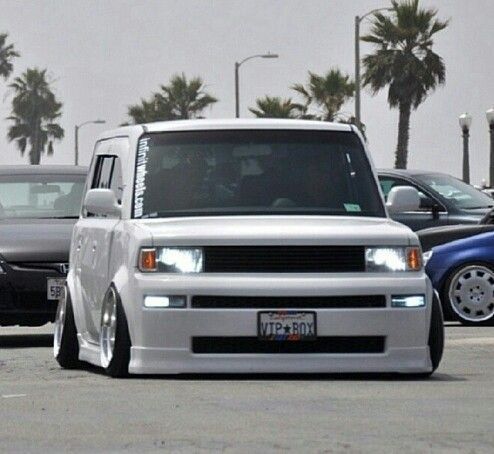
38,208
444,200
435,236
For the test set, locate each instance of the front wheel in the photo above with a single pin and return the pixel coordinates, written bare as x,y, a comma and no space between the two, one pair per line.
470,293
114,336
65,343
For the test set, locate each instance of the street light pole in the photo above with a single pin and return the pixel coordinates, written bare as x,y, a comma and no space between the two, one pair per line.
357,72
490,119
237,85
237,94
358,20
465,123
76,136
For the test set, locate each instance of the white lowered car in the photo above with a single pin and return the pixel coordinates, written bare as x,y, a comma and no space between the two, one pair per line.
244,246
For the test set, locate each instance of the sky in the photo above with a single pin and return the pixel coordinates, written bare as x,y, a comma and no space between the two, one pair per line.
103,55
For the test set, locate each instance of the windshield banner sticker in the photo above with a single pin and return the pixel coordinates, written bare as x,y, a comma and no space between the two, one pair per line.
140,182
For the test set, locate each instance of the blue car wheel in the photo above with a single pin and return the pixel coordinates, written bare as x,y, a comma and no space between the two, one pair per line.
470,292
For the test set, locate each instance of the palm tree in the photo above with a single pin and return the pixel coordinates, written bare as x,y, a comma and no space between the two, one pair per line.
275,107
180,99
7,54
404,62
35,110
327,93
149,111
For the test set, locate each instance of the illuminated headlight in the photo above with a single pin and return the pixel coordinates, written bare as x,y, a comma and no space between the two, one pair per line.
408,301
427,256
171,260
385,259
173,302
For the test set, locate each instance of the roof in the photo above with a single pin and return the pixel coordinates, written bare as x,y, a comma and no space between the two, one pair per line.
241,123
42,169
408,172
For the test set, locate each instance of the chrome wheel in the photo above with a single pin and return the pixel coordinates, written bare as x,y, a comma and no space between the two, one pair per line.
59,324
108,328
471,293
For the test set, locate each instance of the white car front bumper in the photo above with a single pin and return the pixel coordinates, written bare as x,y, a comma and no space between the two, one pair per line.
166,340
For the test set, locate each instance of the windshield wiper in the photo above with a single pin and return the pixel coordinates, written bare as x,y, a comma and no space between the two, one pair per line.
59,217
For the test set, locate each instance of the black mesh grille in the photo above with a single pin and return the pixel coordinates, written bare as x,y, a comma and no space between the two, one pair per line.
289,302
284,259
334,345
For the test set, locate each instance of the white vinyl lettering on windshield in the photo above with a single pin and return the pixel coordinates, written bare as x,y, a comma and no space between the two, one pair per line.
140,181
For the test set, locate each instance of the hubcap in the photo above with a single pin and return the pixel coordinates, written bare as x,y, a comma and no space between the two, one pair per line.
108,328
472,293
59,324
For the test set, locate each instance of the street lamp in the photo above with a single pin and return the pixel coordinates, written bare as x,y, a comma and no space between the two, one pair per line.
237,66
358,20
465,123
490,119
76,134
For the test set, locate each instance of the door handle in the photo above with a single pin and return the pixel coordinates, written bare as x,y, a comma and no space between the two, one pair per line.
79,244
94,247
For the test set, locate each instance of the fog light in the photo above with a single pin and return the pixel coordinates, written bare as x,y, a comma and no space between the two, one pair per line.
165,301
408,301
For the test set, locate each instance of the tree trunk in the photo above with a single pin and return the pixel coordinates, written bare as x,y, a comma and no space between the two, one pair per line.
403,136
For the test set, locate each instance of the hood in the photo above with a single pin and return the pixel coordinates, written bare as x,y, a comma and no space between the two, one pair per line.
35,240
277,230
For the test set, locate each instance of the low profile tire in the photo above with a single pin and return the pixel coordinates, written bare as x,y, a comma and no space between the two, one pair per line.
65,343
436,338
469,293
436,333
114,336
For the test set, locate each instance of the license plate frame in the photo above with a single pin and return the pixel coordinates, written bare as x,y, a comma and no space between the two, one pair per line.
287,318
54,288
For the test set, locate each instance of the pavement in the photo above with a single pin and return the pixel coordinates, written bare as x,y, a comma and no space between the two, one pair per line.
46,409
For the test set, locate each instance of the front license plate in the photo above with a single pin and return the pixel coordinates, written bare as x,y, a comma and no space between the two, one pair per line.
54,289
286,326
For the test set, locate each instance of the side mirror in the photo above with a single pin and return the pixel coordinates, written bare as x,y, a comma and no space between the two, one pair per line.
101,202
403,198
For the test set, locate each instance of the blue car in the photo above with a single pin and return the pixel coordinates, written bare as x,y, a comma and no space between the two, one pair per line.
462,272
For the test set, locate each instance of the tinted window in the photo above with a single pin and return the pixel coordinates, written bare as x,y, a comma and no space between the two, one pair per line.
254,172
41,196
103,173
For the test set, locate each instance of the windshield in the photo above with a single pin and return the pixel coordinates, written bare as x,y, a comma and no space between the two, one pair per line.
254,172
460,194
41,196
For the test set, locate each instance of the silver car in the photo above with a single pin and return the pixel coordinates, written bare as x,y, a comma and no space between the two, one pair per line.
244,246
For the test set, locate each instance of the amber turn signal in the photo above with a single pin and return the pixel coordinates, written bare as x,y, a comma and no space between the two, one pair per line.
147,260
414,259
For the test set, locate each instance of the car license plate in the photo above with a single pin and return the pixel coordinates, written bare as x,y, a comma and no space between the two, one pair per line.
54,289
286,326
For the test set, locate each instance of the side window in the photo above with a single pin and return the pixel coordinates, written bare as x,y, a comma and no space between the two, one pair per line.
107,175
426,202
388,183
116,183
103,172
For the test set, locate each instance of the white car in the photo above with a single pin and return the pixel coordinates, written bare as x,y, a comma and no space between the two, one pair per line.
239,246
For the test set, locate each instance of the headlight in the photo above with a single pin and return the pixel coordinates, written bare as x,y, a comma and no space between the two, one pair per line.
171,260
385,259
427,256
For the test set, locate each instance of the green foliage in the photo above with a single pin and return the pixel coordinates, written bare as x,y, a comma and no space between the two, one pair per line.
404,61
179,100
35,110
275,107
325,94
7,54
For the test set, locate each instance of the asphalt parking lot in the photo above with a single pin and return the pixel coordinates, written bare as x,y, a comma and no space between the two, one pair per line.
44,408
